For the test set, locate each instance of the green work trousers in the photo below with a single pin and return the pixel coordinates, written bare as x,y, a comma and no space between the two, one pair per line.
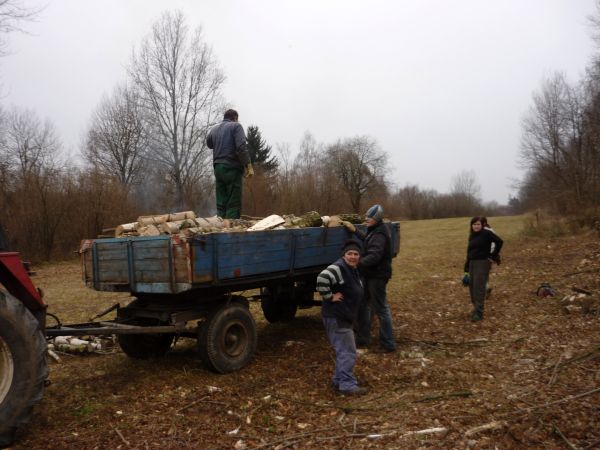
228,191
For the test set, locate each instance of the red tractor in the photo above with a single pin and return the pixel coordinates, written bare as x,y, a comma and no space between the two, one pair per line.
23,366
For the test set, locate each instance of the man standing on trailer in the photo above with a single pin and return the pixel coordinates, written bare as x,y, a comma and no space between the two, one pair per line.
230,160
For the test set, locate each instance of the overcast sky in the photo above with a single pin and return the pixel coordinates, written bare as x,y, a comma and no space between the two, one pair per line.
441,85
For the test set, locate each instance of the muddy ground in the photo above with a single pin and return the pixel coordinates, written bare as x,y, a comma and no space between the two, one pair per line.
530,367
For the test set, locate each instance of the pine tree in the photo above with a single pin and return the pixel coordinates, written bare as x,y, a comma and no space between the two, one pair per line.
260,152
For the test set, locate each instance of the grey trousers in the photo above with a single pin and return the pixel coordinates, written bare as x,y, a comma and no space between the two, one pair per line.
342,341
480,273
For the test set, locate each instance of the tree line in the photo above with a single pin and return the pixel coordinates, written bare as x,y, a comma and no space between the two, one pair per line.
144,152
560,144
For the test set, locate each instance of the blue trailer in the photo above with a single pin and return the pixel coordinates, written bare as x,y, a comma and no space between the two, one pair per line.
191,287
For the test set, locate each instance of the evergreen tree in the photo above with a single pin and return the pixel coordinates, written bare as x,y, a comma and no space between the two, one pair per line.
260,152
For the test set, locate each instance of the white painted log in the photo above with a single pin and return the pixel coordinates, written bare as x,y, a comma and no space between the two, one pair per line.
152,220
125,228
181,216
268,222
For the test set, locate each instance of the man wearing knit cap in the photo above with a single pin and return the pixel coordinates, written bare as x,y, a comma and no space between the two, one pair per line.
342,291
376,267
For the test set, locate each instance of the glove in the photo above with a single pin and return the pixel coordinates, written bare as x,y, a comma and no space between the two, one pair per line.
350,227
466,279
248,171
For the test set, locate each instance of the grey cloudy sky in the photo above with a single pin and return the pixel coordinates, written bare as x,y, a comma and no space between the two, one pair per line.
441,85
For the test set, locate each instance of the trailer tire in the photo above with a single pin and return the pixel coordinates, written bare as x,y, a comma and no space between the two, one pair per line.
278,303
227,339
145,346
23,365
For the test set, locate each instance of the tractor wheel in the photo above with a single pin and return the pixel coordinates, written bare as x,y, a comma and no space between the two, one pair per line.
146,346
278,303
227,339
23,365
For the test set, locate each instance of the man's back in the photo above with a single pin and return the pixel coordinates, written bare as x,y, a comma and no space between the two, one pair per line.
228,142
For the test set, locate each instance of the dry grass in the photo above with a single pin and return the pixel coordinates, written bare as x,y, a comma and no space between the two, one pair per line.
447,373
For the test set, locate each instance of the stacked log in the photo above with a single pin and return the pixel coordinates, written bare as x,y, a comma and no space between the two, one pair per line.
187,225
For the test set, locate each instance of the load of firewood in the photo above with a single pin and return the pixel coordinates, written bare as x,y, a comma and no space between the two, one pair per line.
187,224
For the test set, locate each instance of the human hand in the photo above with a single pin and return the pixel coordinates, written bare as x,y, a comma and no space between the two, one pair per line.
350,227
249,171
337,297
466,279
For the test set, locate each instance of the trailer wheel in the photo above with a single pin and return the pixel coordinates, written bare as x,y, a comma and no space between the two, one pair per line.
146,346
278,303
227,339
23,365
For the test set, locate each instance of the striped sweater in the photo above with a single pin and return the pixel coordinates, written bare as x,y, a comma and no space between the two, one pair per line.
340,277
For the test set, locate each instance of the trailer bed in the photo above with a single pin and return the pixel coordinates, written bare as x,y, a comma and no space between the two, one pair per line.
171,264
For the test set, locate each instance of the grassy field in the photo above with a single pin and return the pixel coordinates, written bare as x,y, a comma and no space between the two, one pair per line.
528,367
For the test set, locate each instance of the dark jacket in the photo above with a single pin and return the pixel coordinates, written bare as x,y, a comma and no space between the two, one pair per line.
480,245
376,260
340,277
228,142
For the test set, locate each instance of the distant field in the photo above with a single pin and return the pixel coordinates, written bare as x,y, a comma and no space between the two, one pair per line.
438,248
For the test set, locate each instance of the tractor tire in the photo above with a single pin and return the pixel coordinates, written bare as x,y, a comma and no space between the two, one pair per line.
278,303
23,365
146,346
227,339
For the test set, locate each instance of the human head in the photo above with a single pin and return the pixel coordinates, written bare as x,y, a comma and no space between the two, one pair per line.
351,252
476,222
484,222
231,114
374,215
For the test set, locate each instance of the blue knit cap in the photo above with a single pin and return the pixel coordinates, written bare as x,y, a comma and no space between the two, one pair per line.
375,212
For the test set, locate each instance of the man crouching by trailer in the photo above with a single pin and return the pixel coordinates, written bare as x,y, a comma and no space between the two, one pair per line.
341,288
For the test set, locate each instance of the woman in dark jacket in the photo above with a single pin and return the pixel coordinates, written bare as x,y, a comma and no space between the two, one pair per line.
479,260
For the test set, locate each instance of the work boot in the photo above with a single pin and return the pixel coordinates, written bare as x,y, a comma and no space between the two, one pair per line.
358,390
476,317
384,350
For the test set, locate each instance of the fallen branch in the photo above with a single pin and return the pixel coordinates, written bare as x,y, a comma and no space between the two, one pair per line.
303,402
441,396
553,377
556,402
563,437
476,342
201,400
125,441
342,436
495,425
592,445
300,436
576,358
426,431
581,290
582,271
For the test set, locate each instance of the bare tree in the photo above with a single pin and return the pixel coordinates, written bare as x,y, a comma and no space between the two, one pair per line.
116,141
359,166
180,84
466,183
12,15
551,142
29,145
